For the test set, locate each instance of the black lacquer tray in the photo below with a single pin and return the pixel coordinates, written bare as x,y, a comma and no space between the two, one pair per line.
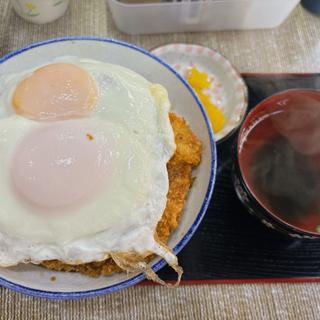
232,246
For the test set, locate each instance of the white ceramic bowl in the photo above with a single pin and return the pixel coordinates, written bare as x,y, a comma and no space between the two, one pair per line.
35,280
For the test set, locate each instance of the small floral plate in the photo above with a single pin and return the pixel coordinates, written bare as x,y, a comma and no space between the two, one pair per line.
228,91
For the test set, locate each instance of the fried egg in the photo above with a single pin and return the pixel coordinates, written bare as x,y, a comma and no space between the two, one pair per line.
84,147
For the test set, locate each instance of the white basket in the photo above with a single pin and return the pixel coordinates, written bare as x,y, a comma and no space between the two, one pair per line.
200,15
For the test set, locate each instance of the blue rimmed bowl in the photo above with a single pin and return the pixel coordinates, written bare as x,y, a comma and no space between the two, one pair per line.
35,280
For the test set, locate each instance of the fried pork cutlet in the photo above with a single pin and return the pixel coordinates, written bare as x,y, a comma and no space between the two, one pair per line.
186,157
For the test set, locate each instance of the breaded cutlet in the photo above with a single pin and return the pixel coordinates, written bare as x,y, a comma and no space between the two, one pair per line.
186,157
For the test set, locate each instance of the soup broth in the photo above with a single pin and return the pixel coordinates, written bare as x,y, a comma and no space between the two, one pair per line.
279,157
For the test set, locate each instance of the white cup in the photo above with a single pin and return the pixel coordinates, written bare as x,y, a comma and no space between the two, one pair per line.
40,11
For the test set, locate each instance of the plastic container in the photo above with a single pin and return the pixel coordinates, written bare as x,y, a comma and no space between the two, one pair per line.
201,15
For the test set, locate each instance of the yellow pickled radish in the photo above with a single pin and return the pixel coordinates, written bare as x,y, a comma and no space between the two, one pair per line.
216,117
204,98
198,80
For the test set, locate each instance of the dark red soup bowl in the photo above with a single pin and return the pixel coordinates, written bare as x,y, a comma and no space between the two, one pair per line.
277,167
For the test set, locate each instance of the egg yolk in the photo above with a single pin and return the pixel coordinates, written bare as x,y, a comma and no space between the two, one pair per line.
61,165
55,91
200,81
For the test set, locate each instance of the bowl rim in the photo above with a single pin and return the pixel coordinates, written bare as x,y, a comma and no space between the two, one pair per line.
161,263
293,229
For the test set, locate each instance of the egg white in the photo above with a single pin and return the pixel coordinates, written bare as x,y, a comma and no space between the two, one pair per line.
122,218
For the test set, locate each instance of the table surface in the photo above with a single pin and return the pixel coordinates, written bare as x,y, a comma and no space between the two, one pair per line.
292,47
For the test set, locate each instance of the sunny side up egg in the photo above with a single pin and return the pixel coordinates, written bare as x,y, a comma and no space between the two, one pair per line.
84,147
